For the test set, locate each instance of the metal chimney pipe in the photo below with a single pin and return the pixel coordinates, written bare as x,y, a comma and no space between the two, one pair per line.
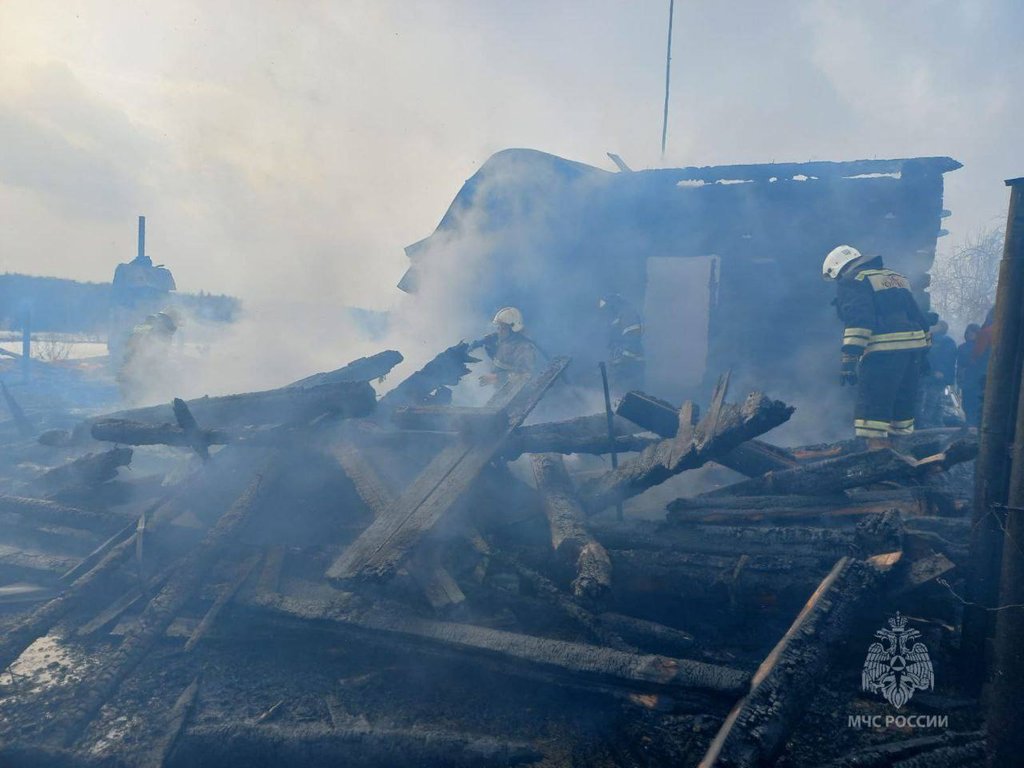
142,236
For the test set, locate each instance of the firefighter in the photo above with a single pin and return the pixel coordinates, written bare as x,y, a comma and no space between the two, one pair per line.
512,353
625,343
885,343
145,362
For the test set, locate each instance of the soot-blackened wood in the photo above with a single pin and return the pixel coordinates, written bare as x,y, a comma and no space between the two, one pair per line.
196,437
449,418
853,471
569,536
732,425
445,481
275,406
354,747
126,432
440,589
89,470
649,635
584,434
751,458
833,510
422,387
761,723
226,594
180,713
370,368
43,511
180,587
923,442
568,662
789,541
896,752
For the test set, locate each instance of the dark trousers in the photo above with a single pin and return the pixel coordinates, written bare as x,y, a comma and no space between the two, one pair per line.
887,391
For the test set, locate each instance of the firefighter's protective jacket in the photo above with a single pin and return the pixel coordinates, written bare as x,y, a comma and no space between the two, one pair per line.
879,311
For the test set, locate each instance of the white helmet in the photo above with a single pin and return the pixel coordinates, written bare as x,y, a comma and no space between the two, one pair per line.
838,259
509,316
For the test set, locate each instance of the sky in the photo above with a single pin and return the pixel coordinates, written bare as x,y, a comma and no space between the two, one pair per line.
287,150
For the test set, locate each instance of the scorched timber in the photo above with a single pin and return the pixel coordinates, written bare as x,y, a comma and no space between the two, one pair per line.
558,661
91,469
825,510
445,481
719,432
275,406
569,536
762,721
585,434
752,458
853,471
181,586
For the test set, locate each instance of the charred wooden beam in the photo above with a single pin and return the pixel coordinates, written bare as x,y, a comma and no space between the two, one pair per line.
46,511
853,471
355,747
569,536
572,663
751,458
762,721
790,540
430,381
440,589
831,510
372,368
445,481
585,434
89,470
721,430
226,594
179,715
449,418
180,587
126,432
922,752
276,406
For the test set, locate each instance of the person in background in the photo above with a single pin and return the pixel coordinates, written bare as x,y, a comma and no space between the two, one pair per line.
146,358
942,362
511,352
979,357
884,343
968,376
625,343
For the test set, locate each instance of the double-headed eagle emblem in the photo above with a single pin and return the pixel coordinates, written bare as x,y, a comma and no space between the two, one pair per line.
894,667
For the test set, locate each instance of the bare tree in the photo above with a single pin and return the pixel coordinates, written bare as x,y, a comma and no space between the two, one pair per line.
963,286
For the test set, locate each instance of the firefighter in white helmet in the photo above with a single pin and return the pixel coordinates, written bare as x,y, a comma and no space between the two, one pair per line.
511,352
884,343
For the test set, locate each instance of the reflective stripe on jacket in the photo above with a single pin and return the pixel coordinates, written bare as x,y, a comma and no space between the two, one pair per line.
879,311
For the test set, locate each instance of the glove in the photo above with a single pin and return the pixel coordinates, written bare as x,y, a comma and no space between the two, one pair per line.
848,370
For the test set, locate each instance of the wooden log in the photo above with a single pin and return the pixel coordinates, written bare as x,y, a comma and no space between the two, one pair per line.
354,747
180,713
196,438
372,368
89,470
276,406
720,431
751,458
853,471
440,589
896,753
831,510
445,481
449,418
569,536
761,723
584,434
46,511
422,387
648,635
574,663
791,541
180,587
227,592
126,432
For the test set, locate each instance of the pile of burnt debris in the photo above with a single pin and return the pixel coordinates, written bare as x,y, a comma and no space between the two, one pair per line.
315,575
